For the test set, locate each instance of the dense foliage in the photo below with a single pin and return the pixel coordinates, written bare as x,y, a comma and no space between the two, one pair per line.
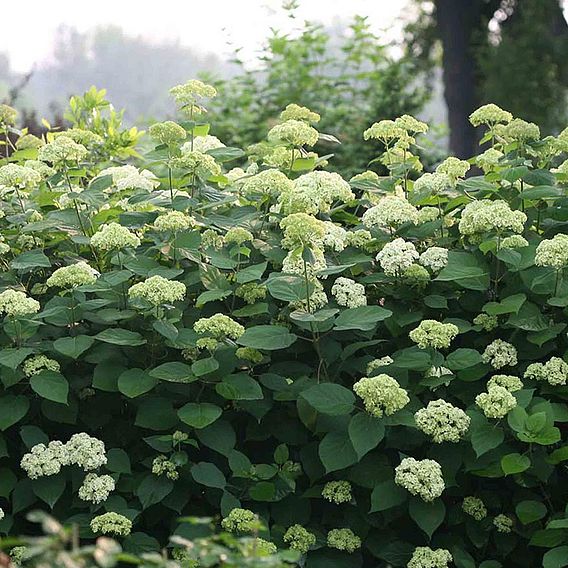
369,372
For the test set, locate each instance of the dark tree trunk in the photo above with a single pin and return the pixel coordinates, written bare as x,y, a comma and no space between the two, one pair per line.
456,21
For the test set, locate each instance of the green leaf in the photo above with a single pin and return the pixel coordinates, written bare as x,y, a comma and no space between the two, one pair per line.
118,461
153,489
329,398
73,347
466,270
463,358
49,489
205,366
12,409
208,474
134,382
173,372
267,337
121,337
556,558
199,415
156,413
239,387
50,385
428,516
387,495
530,511
336,451
364,318
514,463
251,273
485,437
11,357
29,260
287,287
365,433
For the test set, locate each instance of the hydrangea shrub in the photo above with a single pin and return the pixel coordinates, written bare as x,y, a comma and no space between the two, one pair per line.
369,372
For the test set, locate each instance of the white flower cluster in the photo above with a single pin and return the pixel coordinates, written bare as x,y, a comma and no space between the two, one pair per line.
335,237
434,258
13,175
38,363
78,274
485,216
96,488
14,303
62,149
349,293
425,557
553,252
128,177
293,132
420,477
554,371
396,256
203,144
442,421
158,290
173,222
431,333
390,212
496,402
114,237
432,183
499,354
381,395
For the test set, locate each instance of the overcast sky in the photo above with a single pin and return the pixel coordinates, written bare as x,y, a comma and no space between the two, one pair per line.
205,24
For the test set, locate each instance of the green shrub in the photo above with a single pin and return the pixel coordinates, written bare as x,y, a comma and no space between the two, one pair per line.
370,372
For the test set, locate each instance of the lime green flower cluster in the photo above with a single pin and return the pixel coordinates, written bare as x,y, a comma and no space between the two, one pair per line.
211,239
514,242
203,144
431,333
554,371
267,182
485,216
249,354
474,507
14,304
343,539
78,274
128,177
314,193
258,547
301,229
442,421
251,292
390,212
296,112
298,538
96,488
17,555
22,177
158,290
62,150
416,276
168,132
503,524
434,258
111,523
218,327
488,160
337,492
496,402
375,364
38,363
349,293
335,236
238,236
511,383
113,236
87,138
553,252
381,395
422,478
188,95
454,168
294,263
499,354
432,184
358,239
163,466
294,132
490,115
197,163
241,521
8,115
486,322
518,130
397,256
425,557
173,222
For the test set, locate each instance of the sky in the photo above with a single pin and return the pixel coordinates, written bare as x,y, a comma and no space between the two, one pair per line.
207,25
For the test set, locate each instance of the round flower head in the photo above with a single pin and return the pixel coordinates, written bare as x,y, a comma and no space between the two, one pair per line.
499,354
44,460
168,132
512,384
211,239
173,222
411,124
381,395
487,216
431,333
425,557
358,239
349,293
434,258
390,212
238,236
453,167
298,538
490,115
163,466
78,274
197,163
294,263
219,326
8,115
14,304
296,112
13,175
442,421
267,182
85,451
158,291
474,507
249,354
251,292
96,488
335,236
293,132
486,322
62,149
114,237
128,177
553,252
385,130
111,523
488,160
343,539
519,130
241,521
503,523
397,256
554,371
422,478
496,402
314,193
337,492
203,144
432,184
188,95
38,363
416,276
375,364
514,241
427,214
302,230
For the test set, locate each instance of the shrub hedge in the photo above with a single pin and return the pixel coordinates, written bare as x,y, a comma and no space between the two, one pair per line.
370,372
